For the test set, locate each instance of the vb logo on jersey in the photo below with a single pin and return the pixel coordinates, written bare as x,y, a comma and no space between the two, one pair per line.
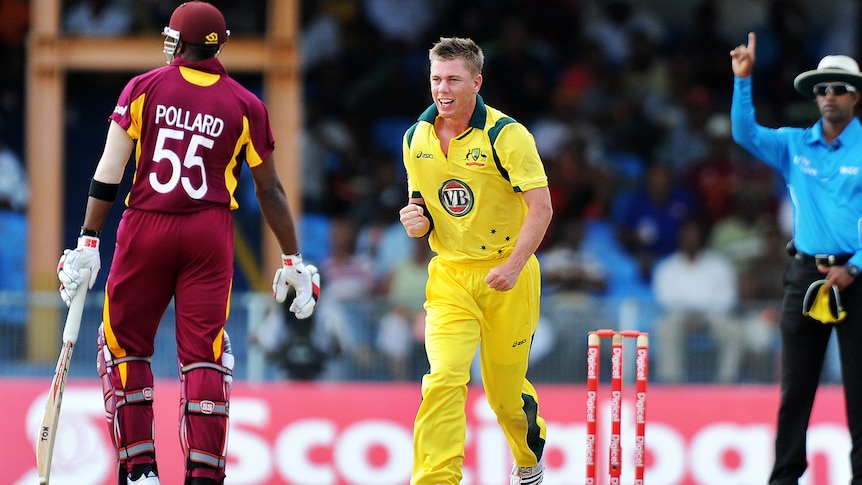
456,197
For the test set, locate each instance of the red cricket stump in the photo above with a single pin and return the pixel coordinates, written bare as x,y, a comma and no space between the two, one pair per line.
616,408
592,395
641,374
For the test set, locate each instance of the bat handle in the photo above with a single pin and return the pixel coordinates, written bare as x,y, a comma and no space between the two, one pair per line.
76,309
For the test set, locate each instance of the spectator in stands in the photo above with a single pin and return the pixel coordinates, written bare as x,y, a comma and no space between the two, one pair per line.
379,194
787,47
685,140
760,293
305,348
14,195
741,237
518,78
647,74
401,21
14,26
14,189
14,192
749,237
696,290
579,77
327,147
98,18
843,34
149,16
714,177
650,218
613,22
704,44
573,277
320,36
381,238
579,188
404,292
566,268
350,303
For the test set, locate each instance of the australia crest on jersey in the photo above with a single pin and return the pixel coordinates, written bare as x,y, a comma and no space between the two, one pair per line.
475,157
456,197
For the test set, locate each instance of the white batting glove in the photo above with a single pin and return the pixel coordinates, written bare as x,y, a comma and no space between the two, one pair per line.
86,255
304,279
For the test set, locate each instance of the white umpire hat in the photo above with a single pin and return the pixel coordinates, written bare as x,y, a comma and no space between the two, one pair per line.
836,68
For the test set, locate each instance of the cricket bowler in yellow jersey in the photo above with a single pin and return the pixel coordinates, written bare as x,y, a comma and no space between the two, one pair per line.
478,189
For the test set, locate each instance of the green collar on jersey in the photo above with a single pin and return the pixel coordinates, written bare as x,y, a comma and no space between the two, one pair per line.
476,121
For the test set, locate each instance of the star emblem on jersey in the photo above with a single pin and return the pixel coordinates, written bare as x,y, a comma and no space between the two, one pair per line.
456,197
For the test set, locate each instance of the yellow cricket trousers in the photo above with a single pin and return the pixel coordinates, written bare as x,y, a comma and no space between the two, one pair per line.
462,312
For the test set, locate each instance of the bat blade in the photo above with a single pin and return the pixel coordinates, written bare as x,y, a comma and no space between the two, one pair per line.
51,416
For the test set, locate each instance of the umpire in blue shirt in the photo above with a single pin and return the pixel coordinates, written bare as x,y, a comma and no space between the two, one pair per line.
822,167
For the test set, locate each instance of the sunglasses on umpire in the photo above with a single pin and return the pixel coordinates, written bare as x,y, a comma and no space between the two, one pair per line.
838,89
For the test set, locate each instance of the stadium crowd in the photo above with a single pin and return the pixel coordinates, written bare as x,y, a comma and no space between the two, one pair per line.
630,112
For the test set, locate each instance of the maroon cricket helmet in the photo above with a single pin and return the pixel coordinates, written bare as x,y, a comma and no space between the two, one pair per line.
199,23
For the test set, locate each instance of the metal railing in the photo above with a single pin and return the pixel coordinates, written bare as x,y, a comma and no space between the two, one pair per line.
348,341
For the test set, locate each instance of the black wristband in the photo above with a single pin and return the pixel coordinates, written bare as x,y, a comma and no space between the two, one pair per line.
90,232
430,219
103,191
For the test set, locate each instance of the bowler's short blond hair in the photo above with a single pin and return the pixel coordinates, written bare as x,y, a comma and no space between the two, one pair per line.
454,47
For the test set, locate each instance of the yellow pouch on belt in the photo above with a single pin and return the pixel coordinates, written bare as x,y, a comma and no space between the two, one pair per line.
822,304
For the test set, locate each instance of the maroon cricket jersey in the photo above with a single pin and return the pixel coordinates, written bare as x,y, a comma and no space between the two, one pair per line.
194,126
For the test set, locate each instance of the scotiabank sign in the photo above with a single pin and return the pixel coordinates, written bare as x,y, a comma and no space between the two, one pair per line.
360,434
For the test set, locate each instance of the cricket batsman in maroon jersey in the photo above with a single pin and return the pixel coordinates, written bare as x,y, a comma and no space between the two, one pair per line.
191,127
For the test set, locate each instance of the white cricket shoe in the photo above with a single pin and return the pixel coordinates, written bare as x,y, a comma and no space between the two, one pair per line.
149,478
527,475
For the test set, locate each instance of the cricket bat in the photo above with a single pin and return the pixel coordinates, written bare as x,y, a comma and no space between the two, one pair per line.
48,428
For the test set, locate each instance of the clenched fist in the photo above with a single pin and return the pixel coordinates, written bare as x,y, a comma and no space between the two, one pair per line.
415,221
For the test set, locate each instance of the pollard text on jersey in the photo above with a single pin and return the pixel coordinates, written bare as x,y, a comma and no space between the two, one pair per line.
180,118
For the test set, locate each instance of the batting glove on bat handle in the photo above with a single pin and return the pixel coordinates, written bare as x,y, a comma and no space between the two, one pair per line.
72,261
305,280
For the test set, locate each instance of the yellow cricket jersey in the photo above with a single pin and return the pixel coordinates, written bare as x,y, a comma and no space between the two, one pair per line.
474,194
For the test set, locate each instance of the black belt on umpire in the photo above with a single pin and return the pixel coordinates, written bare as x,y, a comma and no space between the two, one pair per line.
817,259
